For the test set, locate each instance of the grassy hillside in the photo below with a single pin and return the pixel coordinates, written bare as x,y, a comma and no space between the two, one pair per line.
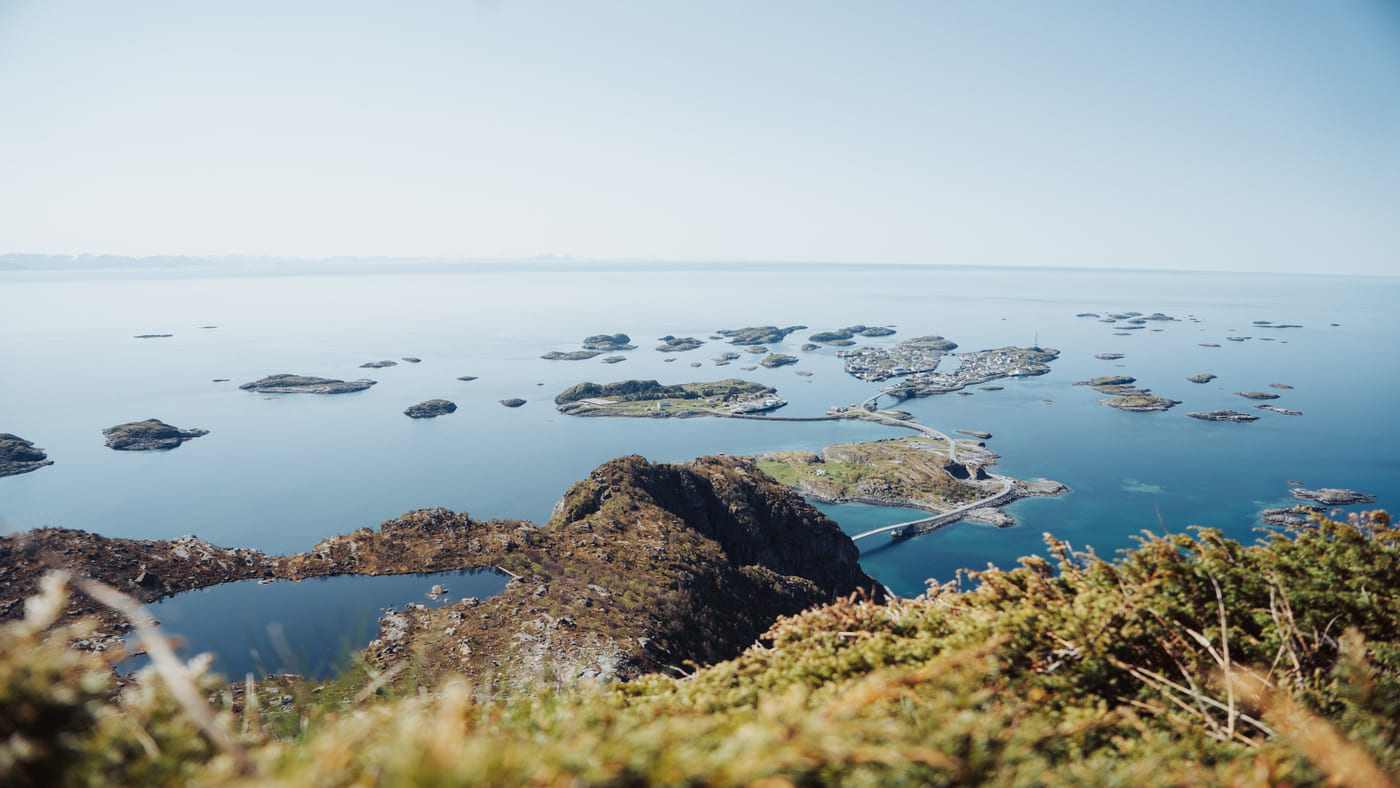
1191,660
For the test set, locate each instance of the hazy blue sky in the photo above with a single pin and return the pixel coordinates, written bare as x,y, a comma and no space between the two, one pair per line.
1199,135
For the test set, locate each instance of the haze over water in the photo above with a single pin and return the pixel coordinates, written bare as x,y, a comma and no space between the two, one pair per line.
281,473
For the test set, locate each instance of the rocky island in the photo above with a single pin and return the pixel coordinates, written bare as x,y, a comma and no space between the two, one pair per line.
777,360
379,364
1204,377
1256,395
1290,516
608,342
1282,411
430,409
912,472
1223,415
845,335
513,402
670,344
18,455
910,357
650,399
1140,403
758,335
1109,356
304,384
573,355
1332,496
976,368
148,435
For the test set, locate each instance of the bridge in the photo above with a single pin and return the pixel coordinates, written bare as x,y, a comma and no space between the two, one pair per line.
927,525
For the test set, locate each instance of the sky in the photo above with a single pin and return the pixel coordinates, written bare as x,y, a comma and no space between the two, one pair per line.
1252,135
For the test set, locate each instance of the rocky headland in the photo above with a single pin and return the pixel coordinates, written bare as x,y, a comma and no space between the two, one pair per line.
642,566
305,384
430,409
148,435
18,455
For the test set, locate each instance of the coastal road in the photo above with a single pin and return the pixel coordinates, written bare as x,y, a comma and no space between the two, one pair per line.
937,521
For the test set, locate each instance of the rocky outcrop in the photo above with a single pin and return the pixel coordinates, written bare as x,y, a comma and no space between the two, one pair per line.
1204,377
1256,395
1332,496
18,455
148,435
513,402
778,360
305,384
430,409
379,364
641,567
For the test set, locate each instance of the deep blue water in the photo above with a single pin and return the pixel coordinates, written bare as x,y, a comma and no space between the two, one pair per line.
281,473
311,627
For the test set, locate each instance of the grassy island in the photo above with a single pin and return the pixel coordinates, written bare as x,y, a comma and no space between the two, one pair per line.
648,398
911,471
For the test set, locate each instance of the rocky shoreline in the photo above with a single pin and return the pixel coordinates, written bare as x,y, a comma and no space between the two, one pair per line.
642,566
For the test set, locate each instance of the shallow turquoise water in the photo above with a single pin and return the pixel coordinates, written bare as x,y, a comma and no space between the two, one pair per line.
281,473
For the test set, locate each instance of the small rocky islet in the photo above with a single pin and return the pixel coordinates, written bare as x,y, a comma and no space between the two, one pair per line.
573,355
608,342
305,384
513,402
18,455
1223,415
148,435
432,408
1256,395
379,364
1332,496
671,344
777,360
1204,377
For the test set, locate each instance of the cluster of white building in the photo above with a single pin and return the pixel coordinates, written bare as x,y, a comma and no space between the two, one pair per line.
872,364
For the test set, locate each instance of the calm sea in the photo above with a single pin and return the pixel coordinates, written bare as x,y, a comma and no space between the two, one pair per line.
280,473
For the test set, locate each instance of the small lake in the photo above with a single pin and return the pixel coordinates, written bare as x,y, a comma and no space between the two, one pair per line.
311,627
